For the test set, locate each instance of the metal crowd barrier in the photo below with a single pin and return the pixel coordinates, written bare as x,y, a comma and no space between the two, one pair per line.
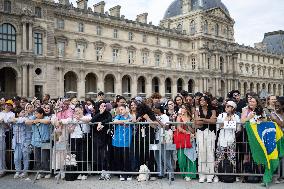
122,149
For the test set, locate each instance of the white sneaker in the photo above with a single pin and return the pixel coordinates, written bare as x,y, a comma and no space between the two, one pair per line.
23,175
121,178
48,176
201,180
107,176
129,178
209,180
238,179
216,179
187,179
17,175
39,176
79,177
84,177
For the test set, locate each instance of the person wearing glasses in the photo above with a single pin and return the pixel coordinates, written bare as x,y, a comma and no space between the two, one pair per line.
236,95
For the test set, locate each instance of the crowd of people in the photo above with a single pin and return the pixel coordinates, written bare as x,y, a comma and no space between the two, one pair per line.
121,134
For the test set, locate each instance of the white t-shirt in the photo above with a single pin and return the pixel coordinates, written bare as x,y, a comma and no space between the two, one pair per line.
79,129
227,136
163,119
5,116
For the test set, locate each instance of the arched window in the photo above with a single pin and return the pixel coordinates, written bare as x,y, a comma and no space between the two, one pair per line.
179,28
205,27
7,38
192,27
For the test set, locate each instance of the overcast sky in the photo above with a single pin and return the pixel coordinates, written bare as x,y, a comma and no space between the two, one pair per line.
252,17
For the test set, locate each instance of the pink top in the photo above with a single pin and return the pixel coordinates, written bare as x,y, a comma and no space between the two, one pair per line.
65,114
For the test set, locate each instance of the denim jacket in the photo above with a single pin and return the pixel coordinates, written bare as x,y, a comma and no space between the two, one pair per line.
41,133
22,133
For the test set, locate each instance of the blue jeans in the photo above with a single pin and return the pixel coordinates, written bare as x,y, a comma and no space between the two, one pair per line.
21,152
165,160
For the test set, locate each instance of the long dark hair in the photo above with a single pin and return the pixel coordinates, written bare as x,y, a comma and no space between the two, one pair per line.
143,109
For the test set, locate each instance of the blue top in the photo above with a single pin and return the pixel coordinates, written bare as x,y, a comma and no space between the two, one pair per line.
22,134
41,133
122,133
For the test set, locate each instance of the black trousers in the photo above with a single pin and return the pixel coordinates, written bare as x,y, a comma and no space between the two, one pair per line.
121,159
79,148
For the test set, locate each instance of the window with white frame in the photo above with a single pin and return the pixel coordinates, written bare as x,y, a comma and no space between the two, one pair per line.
60,23
130,57
99,53
217,29
130,36
38,43
169,61
99,30
193,63
61,49
115,54
157,59
145,57
80,51
115,33
81,27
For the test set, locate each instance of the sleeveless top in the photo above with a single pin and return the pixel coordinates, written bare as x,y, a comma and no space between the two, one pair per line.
211,127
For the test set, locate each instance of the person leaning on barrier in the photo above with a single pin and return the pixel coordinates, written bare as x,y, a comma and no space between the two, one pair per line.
21,143
226,143
41,130
5,116
205,122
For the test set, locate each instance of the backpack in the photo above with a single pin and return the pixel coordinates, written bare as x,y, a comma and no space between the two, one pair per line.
250,167
225,166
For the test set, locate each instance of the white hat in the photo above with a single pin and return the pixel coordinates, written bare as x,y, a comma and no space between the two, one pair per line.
232,103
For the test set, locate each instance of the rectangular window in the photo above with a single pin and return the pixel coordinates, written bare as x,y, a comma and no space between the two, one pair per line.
157,59
38,43
38,12
144,38
179,62
99,30
169,61
115,33
208,63
169,43
80,51
145,58
81,27
7,6
60,23
61,49
130,36
130,57
114,55
157,40
193,64
99,54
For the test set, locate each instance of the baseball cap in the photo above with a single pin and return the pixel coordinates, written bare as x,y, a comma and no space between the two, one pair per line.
232,103
138,99
9,102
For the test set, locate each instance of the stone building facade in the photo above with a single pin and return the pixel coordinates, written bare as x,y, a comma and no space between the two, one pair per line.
57,48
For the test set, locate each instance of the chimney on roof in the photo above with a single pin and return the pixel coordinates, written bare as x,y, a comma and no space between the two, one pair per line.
115,11
142,18
100,7
82,4
64,2
186,6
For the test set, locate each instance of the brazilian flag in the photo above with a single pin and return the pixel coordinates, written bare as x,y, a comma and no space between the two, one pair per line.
267,146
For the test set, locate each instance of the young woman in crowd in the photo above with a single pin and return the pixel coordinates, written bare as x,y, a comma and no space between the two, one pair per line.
270,104
205,122
226,143
186,154
178,102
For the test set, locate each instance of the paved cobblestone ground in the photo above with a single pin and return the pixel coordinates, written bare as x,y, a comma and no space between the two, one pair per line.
8,182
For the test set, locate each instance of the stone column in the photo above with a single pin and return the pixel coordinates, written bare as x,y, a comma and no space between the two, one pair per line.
31,82
118,84
24,37
162,86
174,87
81,93
19,85
134,85
60,84
100,82
25,79
30,37
217,87
148,86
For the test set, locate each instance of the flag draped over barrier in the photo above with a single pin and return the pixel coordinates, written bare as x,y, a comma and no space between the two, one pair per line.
267,146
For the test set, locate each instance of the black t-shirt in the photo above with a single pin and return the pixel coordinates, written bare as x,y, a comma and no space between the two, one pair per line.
211,127
240,106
